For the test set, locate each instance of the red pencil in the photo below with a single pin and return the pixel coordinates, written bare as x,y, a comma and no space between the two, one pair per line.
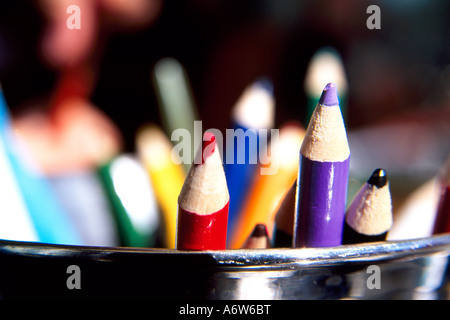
203,202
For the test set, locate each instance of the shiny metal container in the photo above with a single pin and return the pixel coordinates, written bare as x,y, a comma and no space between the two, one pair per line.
413,269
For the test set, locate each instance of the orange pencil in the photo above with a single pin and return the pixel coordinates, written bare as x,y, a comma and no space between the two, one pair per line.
268,190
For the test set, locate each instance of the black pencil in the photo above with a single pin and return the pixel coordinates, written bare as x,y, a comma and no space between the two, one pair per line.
369,217
258,239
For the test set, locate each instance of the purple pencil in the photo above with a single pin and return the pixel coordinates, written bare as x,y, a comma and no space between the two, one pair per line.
323,176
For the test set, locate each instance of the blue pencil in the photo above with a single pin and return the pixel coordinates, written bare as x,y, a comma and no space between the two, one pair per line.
48,218
253,111
17,226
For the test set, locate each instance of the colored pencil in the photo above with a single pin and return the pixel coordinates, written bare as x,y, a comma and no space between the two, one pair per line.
133,201
166,176
369,216
268,190
175,98
82,151
83,197
325,64
284,220
49,219
419,215
323,176
68,148
258,239
15,219
203,202
416,215
442,223
253,111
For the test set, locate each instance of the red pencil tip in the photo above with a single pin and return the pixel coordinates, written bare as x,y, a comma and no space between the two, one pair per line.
208,146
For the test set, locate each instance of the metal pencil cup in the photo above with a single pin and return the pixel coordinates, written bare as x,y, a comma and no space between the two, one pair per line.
413,269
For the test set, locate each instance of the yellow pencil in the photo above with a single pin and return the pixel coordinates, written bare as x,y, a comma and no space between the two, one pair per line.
155,152
268,191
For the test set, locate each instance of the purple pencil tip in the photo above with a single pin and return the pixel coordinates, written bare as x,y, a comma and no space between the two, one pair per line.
329,95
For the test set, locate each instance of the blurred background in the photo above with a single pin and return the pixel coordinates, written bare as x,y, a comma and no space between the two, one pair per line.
397,96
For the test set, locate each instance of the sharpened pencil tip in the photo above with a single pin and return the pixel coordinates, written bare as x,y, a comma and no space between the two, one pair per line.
260,230
329,95
378,178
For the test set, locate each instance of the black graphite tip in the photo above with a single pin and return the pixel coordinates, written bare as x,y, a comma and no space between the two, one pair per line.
378,178
260,230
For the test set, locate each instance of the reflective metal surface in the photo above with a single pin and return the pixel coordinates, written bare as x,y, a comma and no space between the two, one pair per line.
416,269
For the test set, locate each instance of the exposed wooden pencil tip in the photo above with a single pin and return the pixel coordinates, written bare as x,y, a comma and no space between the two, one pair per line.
329,95
378,178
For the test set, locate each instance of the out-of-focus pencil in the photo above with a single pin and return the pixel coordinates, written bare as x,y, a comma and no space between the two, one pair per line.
87,140
15,219
269,188
203,202
369,216
166,176
132,200
326,65
284,220
176,101
50,221
442,223
416,215
253,111
258,239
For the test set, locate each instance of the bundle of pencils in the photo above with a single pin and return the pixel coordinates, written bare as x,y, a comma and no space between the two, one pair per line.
215,207
320,193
